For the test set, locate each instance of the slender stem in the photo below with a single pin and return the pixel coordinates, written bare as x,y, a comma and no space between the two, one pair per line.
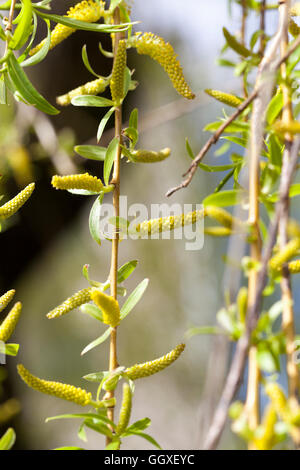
113,361
285,284
11,16
262,27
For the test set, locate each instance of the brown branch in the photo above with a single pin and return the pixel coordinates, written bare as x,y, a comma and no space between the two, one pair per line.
262,27
240,356
11,16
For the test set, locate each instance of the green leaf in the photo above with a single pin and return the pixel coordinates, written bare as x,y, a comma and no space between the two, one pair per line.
3,91
96,342
110,156
99,427
226,198
133,120
147,437
25,87
8,439
94,219
91,152
266,360
41,54
133,135
23,29
95,377
114,444
275,151
86,61
90,100
103,123
11,349
113,4
83,25
125,270
134,298
93,311
274,107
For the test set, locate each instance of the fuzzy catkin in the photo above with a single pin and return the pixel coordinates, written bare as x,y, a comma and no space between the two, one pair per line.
83,181
9,324
290,249
147,156
294,267
293,127
108,306
12,206
6,298
57,389
152,226
81,297
218,231
94,87
89,11
118,73
125,410
268,439
221,216
226,98
139,371
294,29
163,53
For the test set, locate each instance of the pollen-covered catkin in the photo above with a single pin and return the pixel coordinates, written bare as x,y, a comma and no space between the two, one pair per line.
89,11
290,250
9,324
118,73
163,53
83,181
294,267
57,389
152,226
12,206
293,127
125,410
242,303
6,298
109,307
226,98
81,297
94,87
147,156
268,439
218,231
278,400
221,216
139,371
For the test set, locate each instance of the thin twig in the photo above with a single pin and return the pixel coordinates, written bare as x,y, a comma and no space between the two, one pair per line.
11,16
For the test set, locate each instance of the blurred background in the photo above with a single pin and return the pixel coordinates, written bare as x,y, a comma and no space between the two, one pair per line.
43,251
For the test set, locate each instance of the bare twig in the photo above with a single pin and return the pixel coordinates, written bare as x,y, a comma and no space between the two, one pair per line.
11,16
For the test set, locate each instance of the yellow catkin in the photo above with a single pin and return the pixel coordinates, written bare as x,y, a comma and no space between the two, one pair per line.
152,226
83,181
91,88
8,410
118,73
89,11
220,215
147,156
293,228
139,371
125,410
226,98
57,389
81,297
294,29
242,303
268,438
292,127
294,267
290,250
9,324
278,400
109,307
163,53
12,206
6,298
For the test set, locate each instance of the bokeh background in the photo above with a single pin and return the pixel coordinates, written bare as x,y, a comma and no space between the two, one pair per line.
44,249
